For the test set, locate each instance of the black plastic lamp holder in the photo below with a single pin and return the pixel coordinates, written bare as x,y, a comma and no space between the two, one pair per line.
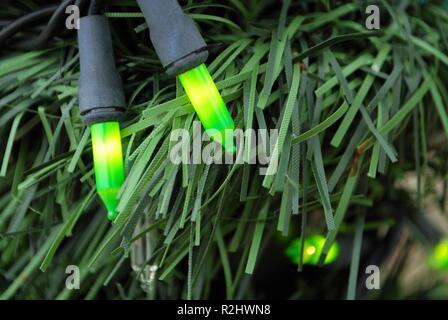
174,35
101,95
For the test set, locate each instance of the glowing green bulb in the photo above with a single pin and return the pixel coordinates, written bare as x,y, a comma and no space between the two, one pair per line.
439,257
311,250
209,106
108,163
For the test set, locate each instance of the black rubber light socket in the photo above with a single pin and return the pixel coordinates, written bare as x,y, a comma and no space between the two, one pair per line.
174,35
101,95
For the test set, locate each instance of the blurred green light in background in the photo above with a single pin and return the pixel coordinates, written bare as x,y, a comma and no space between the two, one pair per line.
312,248
108,163
209,106
439,257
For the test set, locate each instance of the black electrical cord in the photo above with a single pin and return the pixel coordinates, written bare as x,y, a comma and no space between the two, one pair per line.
94,7
24,22
80,4
54,25
5,22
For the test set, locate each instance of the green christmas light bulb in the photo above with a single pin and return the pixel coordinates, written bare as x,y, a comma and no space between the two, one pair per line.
209,106
439,257
108,163
311,250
